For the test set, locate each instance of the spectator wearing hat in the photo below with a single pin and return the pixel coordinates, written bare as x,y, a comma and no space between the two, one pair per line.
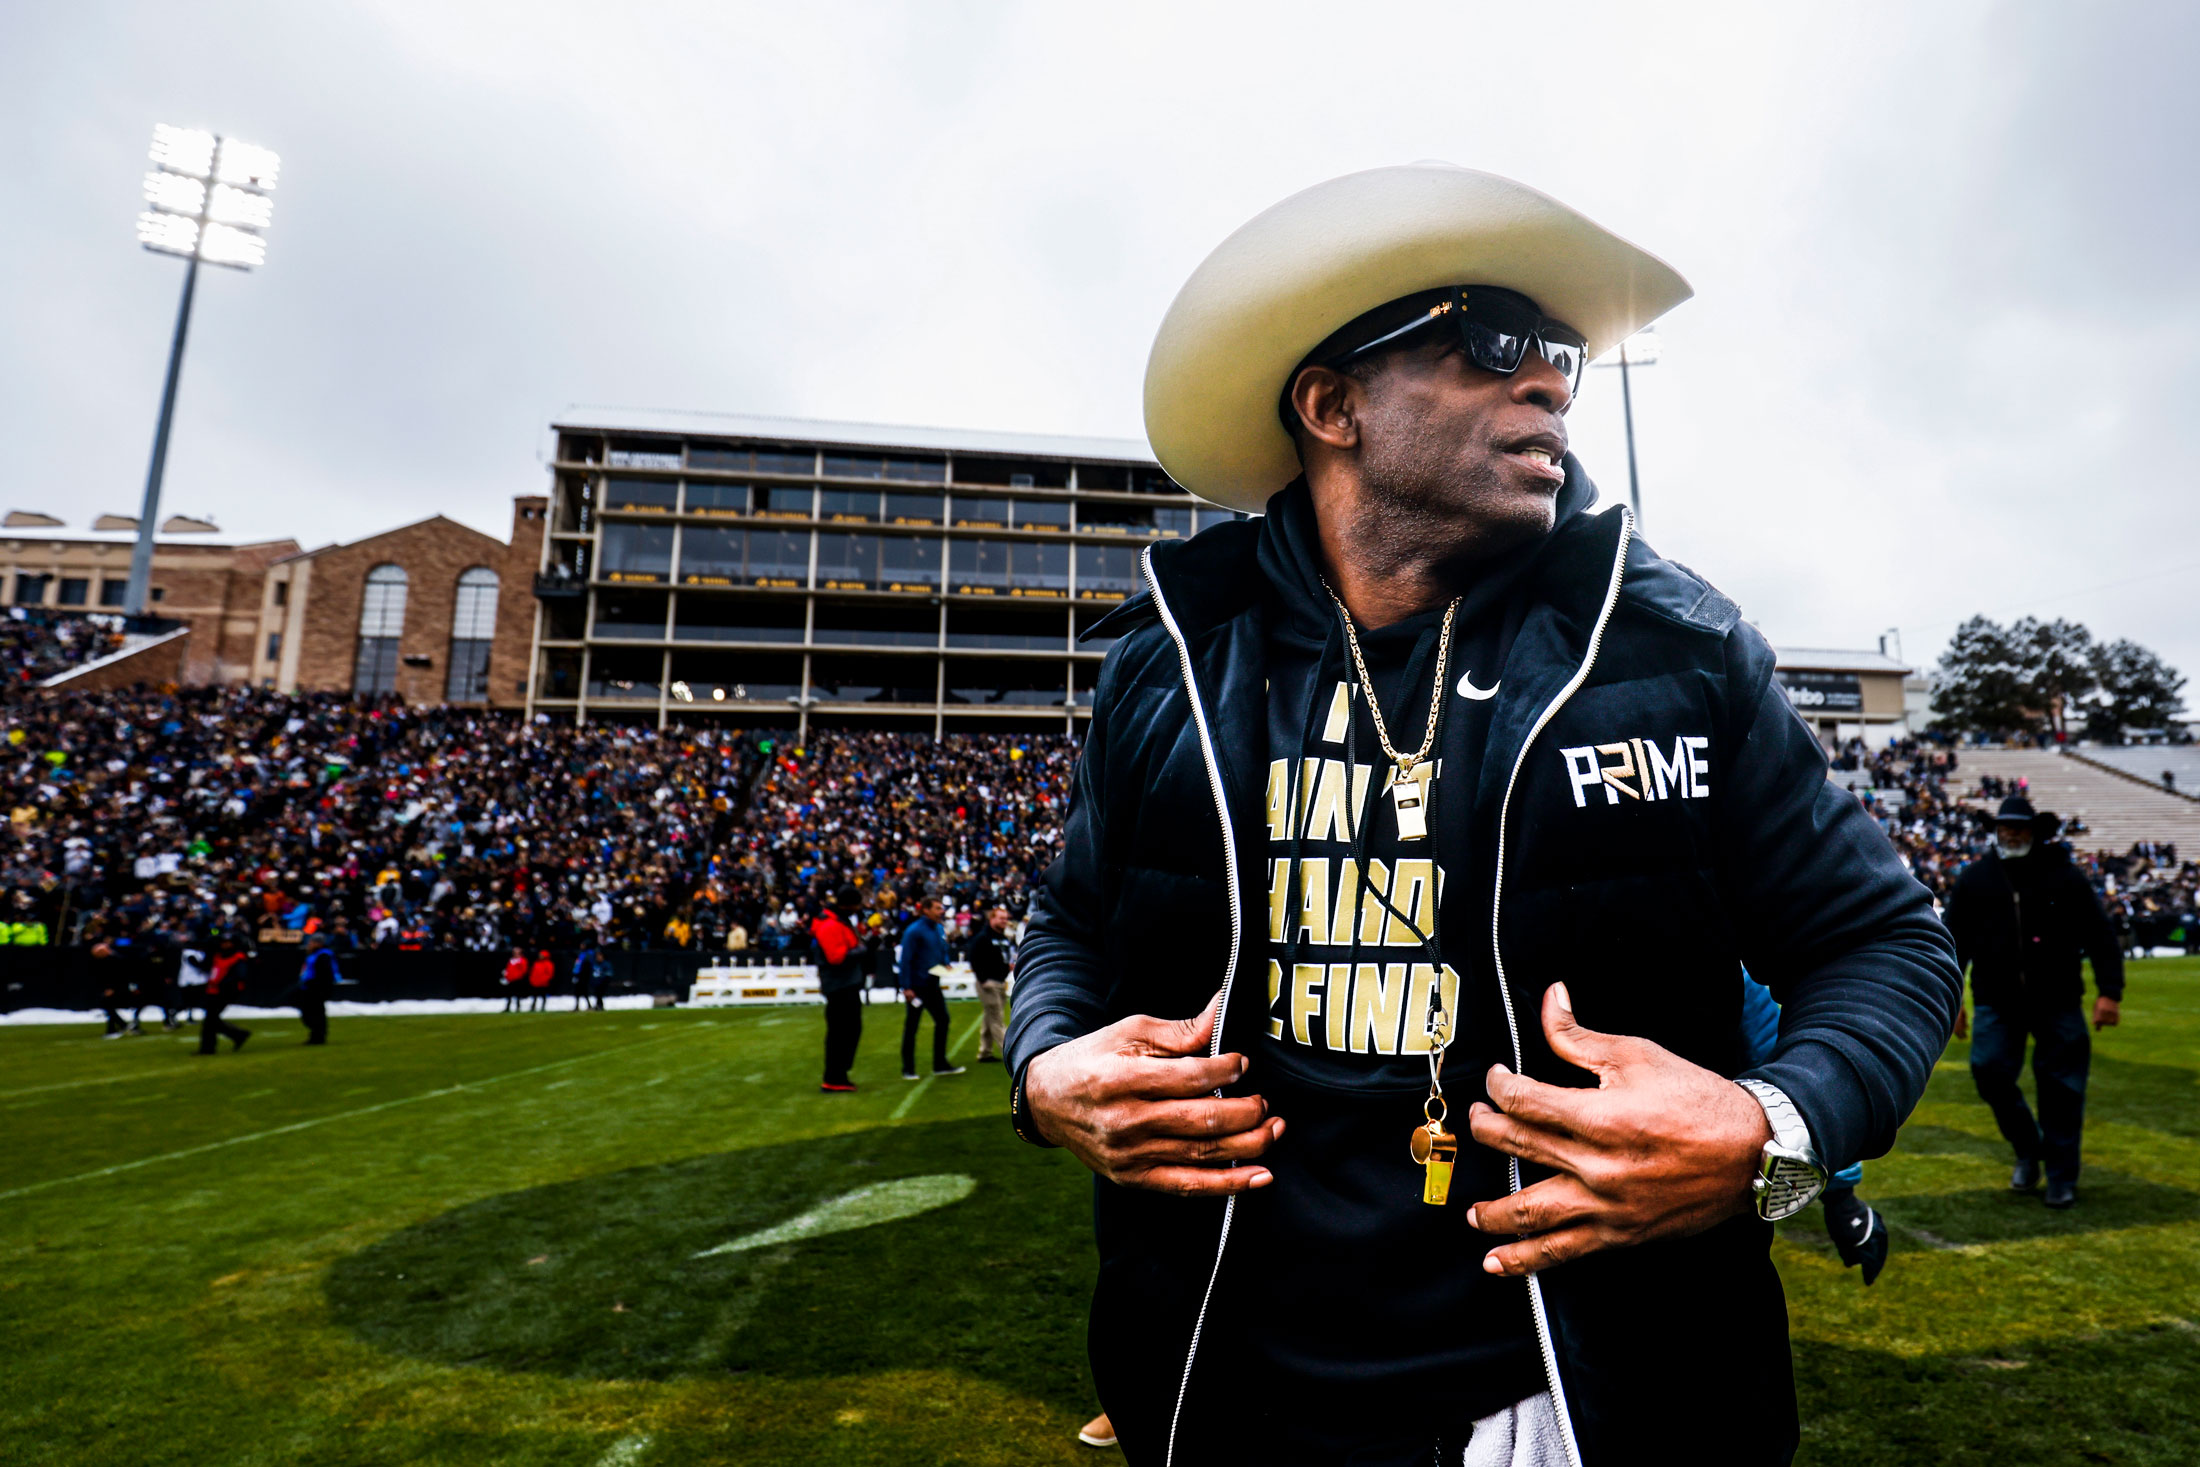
1422,655
837,949
540,975
2024,917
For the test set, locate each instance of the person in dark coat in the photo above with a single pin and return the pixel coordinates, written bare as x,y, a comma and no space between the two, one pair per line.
1388,977
837,950
2023,917
992,959
923,951
317,980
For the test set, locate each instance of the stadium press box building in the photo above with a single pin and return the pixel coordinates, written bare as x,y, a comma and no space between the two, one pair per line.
703,568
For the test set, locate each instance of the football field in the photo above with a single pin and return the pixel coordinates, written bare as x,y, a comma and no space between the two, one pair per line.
644,1238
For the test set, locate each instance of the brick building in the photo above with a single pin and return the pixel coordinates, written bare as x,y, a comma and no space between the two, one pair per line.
434,611
210,585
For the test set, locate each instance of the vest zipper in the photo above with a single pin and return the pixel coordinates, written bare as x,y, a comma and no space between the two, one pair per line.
1237,937
1497,951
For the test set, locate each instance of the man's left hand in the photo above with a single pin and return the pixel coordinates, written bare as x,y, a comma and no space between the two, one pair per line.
1660,1149
2107,1012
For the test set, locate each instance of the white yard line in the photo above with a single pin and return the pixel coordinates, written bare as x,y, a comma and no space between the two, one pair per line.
102,1080
919,1088
365,1110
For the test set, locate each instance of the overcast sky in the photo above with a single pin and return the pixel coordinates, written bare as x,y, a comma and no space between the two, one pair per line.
1947,258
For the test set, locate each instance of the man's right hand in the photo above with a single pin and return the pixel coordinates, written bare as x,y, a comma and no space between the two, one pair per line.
1133,1102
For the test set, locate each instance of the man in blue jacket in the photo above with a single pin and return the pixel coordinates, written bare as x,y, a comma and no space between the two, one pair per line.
317,980
1389,978
924,949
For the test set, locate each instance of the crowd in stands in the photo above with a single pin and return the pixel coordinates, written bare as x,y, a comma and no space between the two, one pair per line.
1916,792
262,816
34,647
232,812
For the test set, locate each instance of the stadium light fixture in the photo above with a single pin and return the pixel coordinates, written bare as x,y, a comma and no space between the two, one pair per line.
208,198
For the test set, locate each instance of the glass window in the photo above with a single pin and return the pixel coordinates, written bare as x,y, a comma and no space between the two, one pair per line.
641,456
473,633
909,563
274,645
1202,518
632,614
113,593
1103,517
1153,481
381,623
844,466
1103,476
740,460
619,674
849,506
978,514
1172,523
917,470
710,556
1002,682
31,590
1038,569
786,461
842,678
783,501
717,499
1106,572
646,496
1007,628
1042,514
736,677
847,562
874,625
779,558
913,509
705,618
1015,473
636,552
75,591
977,567
1086,620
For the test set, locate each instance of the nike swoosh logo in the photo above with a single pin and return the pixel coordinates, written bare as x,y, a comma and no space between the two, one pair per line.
1468,690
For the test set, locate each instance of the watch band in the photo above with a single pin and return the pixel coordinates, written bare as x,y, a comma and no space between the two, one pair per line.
1019,1114
1789,1131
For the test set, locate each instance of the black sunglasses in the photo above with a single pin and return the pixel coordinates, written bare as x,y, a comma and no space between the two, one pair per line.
1496,328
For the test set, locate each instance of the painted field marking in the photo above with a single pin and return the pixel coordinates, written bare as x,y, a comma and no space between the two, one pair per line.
865,1207
102,1080
626,1451
909,1100
365,1110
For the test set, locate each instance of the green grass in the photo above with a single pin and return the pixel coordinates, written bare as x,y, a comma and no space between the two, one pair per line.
474,1240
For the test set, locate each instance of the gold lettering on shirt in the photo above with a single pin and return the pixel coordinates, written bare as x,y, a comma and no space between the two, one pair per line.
1378,1003
1410,896
1279,871
1428,985
1313,916
1340,710
1306,998
1279,799
1275,991
1335,1011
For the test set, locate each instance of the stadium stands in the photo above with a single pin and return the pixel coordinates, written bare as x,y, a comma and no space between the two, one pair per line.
263,815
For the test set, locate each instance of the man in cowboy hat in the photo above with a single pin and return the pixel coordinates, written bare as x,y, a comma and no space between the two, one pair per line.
2022,916
1388,980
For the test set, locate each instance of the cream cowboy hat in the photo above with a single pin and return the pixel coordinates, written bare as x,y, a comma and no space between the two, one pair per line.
1286,280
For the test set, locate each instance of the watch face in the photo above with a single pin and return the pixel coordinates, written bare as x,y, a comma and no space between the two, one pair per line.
1785,1185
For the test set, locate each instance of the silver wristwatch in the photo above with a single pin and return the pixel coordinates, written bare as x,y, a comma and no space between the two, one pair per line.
1789,1174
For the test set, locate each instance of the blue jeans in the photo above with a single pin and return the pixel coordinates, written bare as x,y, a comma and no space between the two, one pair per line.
2062,1049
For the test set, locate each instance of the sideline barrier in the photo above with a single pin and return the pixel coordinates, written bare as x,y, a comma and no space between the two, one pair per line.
797,983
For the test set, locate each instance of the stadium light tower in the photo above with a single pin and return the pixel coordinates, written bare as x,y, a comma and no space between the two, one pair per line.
209,202
1639,350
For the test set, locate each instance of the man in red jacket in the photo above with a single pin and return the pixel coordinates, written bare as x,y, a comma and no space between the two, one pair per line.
837,951
224,986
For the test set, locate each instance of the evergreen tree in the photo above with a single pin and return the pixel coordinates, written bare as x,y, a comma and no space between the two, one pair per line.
2138,690
1980,684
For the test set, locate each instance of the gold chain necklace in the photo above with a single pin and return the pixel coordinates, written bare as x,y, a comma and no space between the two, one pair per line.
1409,785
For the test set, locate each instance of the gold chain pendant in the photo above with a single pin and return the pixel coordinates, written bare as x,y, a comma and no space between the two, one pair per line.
1409,798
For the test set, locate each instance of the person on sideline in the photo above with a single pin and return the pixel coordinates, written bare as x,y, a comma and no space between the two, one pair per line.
316,981
540,975
1520,1211
922,958
992,959
2023,917
225,973
515,981
837,950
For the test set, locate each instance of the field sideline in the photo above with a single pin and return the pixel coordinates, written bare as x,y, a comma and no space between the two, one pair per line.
491,1239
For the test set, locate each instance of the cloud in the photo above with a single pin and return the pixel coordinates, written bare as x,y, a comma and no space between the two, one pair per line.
1945,256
